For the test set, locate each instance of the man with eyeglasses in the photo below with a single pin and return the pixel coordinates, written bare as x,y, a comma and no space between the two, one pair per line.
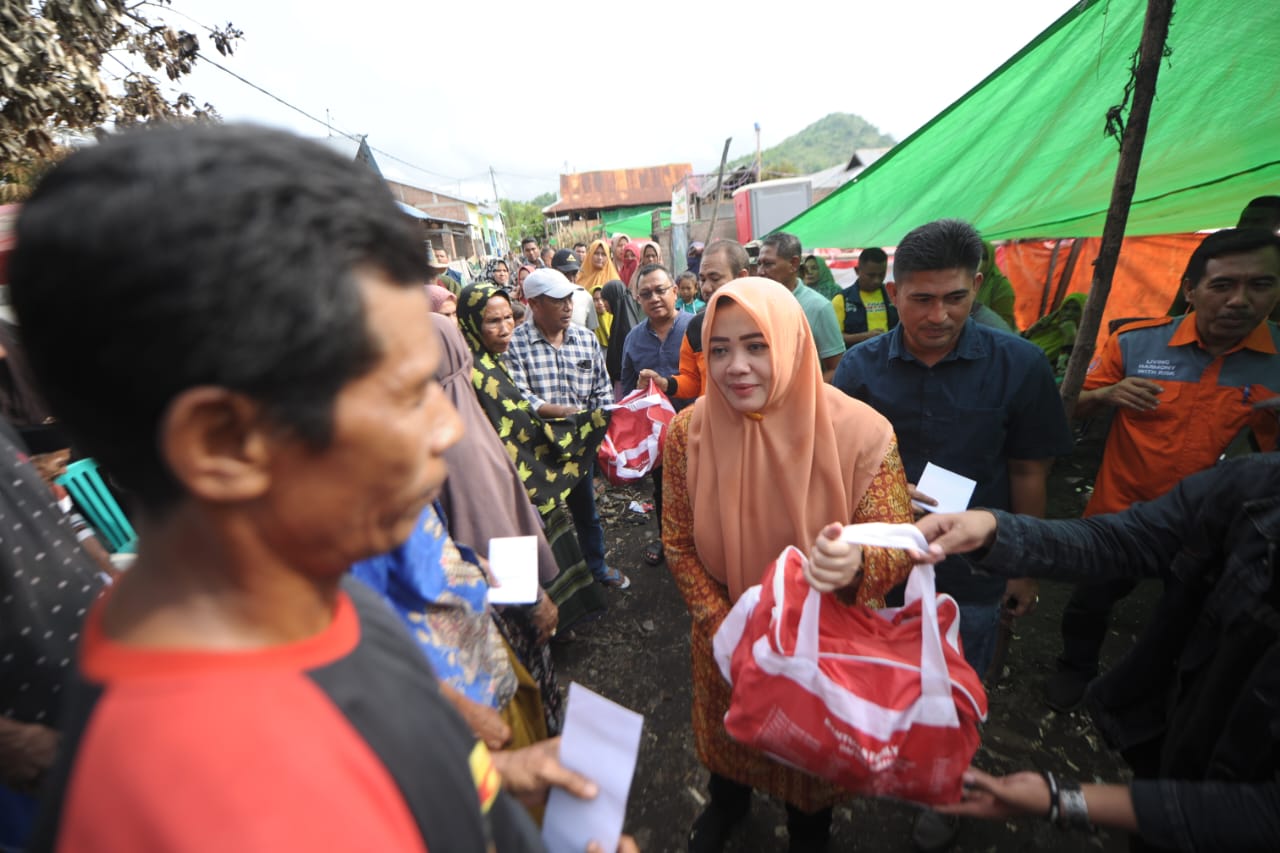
653,344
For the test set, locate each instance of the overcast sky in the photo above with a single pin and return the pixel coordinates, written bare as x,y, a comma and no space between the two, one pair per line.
454,88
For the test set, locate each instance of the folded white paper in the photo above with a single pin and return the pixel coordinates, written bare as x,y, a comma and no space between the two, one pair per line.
601,741
513,560
951,490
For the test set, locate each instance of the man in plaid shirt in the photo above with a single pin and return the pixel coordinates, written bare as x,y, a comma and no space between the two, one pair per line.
559,368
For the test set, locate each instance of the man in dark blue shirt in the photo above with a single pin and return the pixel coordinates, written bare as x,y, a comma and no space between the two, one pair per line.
966,398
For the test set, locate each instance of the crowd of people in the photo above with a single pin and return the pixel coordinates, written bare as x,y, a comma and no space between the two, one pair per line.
318,435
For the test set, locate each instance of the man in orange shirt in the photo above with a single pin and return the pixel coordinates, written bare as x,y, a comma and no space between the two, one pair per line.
1184,389
722,261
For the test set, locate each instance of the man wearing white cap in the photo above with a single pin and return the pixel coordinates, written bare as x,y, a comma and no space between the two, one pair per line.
559,368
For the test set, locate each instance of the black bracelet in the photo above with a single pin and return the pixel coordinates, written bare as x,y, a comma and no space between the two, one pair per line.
1073,809
1052,816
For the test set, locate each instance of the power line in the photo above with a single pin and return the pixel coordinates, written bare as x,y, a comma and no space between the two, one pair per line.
328,124
391,156
547,177
274,97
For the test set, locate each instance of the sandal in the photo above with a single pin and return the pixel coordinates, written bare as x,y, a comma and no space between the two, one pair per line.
653,554
614,579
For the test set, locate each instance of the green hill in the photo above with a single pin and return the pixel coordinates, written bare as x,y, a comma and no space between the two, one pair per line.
823,144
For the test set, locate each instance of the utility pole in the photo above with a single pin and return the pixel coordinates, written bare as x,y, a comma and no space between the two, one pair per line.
680,232
759,156
497,203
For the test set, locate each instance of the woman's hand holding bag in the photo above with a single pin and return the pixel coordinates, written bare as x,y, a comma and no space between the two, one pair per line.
833,563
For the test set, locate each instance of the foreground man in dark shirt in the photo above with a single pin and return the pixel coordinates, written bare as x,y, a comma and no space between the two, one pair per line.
1195,705
232,321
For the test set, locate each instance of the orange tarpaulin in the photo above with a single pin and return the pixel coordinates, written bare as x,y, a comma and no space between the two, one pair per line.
1147,278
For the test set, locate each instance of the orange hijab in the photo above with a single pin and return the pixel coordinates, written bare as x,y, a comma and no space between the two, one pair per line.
774,478
589,277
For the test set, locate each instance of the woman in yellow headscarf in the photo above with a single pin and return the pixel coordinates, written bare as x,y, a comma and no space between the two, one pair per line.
597,267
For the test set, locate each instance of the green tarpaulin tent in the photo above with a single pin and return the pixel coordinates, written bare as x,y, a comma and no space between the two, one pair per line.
639,226
1023,154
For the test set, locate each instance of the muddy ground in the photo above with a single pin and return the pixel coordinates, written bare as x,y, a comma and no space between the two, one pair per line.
638,656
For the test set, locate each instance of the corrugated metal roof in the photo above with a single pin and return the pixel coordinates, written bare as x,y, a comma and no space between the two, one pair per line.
705,187
618,188
412,211
422,214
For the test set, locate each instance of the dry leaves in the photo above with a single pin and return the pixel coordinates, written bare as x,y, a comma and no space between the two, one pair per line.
58,57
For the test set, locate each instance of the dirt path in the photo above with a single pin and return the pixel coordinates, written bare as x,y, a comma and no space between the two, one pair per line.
638,655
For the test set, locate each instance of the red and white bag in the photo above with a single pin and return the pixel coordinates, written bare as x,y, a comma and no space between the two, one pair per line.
880,702
637,432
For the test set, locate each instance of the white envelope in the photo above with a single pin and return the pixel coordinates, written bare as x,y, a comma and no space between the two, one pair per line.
601,740
514,563
952,491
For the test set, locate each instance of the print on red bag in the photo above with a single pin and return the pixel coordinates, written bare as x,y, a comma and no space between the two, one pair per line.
877,761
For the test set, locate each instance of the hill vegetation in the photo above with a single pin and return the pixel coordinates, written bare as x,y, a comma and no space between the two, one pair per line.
823,144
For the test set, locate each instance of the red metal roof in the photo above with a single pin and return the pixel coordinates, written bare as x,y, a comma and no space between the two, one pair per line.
618,188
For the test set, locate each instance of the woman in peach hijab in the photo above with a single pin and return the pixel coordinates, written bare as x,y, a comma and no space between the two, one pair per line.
770,457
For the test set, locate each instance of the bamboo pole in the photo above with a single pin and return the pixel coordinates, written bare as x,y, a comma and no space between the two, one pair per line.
1155,32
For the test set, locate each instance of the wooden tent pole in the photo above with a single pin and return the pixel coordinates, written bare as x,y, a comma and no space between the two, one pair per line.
1045,297
1155,33
1068,270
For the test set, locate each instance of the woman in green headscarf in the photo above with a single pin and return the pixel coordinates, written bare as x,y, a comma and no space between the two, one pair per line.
818,276
996,292
550,455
